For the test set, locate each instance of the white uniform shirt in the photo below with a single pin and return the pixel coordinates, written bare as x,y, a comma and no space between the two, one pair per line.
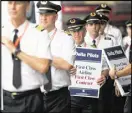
114,32
34,43
101,43
62,46
126,45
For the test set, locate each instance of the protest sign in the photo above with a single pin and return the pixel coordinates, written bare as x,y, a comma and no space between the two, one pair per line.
89,65
115,56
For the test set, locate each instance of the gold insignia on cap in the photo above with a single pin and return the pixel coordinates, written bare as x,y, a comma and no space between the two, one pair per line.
43,2
72,21
93,14
103,5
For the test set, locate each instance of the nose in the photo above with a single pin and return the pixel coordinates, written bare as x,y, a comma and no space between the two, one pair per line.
76,33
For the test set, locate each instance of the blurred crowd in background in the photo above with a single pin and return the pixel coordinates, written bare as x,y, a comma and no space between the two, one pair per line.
121,12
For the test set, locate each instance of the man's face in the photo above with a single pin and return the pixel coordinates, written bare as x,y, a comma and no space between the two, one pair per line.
93,29
17,9
48,20
78,36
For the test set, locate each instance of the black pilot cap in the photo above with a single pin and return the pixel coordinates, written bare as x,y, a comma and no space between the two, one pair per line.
75,24
48,7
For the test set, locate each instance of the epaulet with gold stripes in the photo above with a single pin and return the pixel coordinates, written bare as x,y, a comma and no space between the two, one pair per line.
67,32
38,27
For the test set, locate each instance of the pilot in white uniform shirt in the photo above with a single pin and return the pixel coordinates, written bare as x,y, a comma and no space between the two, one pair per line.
34,43
127,39
110,30
115,33
101,43
59,48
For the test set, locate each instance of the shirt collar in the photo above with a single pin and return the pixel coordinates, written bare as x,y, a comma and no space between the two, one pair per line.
82,44
20,28
90,39
51,32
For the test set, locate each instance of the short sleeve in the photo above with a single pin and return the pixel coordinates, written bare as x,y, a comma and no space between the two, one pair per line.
69,50
43,50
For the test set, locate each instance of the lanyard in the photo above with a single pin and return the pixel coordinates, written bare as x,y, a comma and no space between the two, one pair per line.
20,37
53,34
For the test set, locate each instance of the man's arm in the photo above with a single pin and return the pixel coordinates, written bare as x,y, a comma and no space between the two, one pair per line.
39,64
124,72
103,77
61,63
104,72
66,59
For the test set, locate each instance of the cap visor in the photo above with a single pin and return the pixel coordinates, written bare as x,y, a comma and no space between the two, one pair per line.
46,11
94,21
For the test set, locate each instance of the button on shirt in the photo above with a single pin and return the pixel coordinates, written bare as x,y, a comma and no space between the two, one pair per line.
81,45
34,43
62,46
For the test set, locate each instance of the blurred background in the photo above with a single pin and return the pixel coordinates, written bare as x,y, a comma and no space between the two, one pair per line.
121,12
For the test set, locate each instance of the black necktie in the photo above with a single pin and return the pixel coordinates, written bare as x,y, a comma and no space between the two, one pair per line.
79,46
48,86
94,44
16,66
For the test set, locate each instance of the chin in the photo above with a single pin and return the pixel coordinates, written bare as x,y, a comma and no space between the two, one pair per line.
13,18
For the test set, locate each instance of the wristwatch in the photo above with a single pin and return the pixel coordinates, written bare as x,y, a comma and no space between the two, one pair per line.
17,50
116,75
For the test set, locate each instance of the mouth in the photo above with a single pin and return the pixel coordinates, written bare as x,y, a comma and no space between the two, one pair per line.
13,13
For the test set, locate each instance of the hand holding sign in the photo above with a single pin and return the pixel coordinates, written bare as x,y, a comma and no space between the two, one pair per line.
112,73
73,71
88,65
101,81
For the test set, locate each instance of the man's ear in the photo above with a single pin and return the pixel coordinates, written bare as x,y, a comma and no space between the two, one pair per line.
56,16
